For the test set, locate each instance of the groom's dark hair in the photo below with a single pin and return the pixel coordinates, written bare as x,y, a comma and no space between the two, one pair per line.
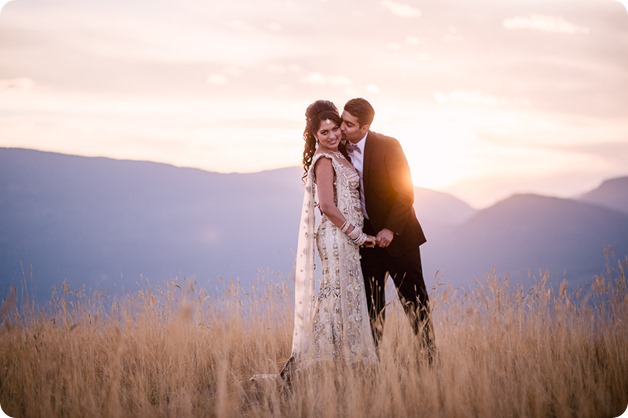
361,109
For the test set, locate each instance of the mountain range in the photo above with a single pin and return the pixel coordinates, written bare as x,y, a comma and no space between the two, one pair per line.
113,224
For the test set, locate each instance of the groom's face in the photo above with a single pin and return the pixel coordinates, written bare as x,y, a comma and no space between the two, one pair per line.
351,129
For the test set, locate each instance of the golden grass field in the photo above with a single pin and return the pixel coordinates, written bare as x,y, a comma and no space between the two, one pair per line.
173,351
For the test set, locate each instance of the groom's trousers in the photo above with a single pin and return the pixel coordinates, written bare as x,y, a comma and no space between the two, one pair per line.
407,274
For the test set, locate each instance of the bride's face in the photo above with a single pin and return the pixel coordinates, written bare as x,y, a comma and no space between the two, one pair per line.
329,134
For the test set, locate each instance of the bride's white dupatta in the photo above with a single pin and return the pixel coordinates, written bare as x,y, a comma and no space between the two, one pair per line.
304,278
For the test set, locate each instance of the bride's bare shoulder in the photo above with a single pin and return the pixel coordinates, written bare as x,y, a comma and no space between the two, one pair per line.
319,153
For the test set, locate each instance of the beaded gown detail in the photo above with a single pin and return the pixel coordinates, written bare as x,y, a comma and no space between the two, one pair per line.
339,324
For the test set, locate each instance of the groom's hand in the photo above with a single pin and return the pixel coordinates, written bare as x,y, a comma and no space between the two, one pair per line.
384,237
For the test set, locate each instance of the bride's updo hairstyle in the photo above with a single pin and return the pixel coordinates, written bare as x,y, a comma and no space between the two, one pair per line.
315,113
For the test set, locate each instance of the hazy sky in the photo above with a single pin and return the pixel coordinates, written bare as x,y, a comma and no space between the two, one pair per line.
488,97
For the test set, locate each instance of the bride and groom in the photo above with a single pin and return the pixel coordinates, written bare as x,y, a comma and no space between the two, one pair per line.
359,181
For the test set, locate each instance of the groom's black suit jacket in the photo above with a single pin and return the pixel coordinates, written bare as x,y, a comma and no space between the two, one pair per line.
389,193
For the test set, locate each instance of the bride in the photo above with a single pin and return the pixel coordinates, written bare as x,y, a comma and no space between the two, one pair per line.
334,324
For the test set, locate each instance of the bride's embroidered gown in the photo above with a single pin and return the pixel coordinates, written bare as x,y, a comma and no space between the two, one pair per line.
332,325
341,327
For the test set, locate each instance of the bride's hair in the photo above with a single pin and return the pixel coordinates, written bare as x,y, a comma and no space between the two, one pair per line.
315,113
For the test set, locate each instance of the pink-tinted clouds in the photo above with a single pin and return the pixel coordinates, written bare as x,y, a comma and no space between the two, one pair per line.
487,97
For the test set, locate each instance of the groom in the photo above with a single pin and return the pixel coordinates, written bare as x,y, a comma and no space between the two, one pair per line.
387,195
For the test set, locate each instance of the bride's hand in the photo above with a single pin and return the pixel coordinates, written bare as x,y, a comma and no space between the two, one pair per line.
370,241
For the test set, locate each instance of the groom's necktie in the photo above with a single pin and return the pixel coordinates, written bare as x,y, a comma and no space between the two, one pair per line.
351,148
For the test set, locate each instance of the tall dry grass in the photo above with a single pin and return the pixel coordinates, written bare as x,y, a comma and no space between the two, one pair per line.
174,351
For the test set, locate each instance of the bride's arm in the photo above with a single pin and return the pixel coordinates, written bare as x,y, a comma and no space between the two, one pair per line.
325,183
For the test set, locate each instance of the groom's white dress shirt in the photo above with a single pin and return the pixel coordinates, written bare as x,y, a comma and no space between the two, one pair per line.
357,159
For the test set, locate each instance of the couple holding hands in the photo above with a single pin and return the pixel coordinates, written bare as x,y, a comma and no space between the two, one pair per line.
360,184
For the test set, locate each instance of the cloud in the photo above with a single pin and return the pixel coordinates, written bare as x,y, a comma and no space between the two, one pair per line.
241,26
452,35
373,88
19,84
322,80
217,79
467,97
281,69
615,153
544,23
401,9
413,40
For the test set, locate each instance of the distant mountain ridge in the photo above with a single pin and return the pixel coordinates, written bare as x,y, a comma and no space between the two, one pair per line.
108,223
525,233
611,193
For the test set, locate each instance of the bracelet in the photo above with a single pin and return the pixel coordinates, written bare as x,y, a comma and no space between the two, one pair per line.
355,233
357,236
361,239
